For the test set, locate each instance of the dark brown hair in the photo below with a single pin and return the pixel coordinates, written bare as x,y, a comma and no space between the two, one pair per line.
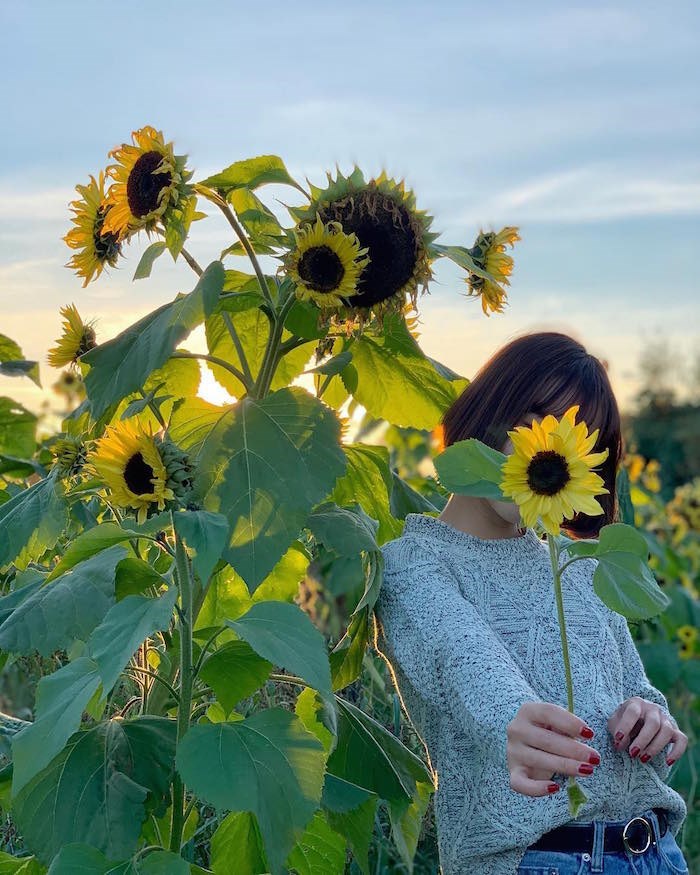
543,372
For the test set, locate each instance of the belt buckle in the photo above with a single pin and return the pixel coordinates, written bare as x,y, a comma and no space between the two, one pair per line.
625,840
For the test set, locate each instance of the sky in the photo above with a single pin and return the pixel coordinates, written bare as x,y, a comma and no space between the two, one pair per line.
578,123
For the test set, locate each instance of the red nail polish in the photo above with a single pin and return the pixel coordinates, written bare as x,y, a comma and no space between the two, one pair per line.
634,752
645,757
594,758
552,788
587,733
670,762
585,769
619,736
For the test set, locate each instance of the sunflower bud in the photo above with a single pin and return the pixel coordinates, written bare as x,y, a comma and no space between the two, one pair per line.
179,469
69,456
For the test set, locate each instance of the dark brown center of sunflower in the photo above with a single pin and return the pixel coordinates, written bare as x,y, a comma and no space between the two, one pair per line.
321,269
144,185
547,473
107,246
138,475
87,341
388,230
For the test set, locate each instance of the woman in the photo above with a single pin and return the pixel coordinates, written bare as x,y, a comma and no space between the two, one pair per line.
467,623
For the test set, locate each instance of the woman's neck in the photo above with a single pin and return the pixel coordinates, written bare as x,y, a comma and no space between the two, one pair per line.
475,516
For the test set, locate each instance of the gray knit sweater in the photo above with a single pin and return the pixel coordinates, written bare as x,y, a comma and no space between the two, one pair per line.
469,629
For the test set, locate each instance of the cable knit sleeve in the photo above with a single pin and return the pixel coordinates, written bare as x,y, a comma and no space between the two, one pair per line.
450,655
636,683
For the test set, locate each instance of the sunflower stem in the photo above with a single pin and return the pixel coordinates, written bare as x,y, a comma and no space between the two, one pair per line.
191,261
231,328
576,795
184,579
272,357
222,363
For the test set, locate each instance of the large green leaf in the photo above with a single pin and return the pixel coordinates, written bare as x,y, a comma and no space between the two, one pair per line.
268,764
61,698
264,465
284,634
17,429
10,865
345,531
369,756
394,380
88,543
122,365
206,534
351,810
69,609
79,859
234,671
237,838
368,481
13,364
319,851
124,628
100,787
470,467
31,522
250,173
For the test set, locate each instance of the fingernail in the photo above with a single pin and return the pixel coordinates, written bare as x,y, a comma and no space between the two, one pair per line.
634,751
552,788
670,762
594,758
645,757
619,736
586,732
585,769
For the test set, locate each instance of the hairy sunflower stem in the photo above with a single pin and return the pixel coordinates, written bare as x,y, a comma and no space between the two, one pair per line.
575,793
227,366
157,677
184,579
231,328
272,350
191,261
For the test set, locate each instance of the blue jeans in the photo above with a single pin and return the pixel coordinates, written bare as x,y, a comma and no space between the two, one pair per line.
662,857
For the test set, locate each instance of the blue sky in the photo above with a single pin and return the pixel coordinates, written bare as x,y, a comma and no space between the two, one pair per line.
579,123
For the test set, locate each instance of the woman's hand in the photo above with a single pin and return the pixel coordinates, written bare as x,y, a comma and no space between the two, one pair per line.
542,740
647,725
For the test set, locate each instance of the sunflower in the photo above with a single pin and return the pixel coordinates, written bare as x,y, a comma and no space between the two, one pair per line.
98,247
69,455
149,179
128,461
78,338
489,255
383,216
325,263
549,473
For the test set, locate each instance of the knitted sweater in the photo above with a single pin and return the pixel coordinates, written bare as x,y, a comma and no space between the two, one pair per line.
468,627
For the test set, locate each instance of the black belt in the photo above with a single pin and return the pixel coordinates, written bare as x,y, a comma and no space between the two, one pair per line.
636,836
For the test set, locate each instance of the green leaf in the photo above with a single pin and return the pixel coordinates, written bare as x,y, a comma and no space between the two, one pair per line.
268,764
10,865
124,628
342,529
31,522
264,465
60,613
334,365
319,851
90,542
302,320
284,634
145,265
350,810
469,467
122,365
251,173
162,863
99,789
205,533
252,213
238,838
13,364
619,537
405,499
369,756
17,429
61,698
624,499
134,576
368,481
234,672
9,349
463,258
391,377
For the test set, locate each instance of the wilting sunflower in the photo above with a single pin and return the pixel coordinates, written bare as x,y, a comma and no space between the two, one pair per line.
489,254
97,246
395,234
148,180
78,338
129,463
325,263
549,473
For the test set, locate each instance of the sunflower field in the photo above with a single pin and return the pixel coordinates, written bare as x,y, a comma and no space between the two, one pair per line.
187,588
